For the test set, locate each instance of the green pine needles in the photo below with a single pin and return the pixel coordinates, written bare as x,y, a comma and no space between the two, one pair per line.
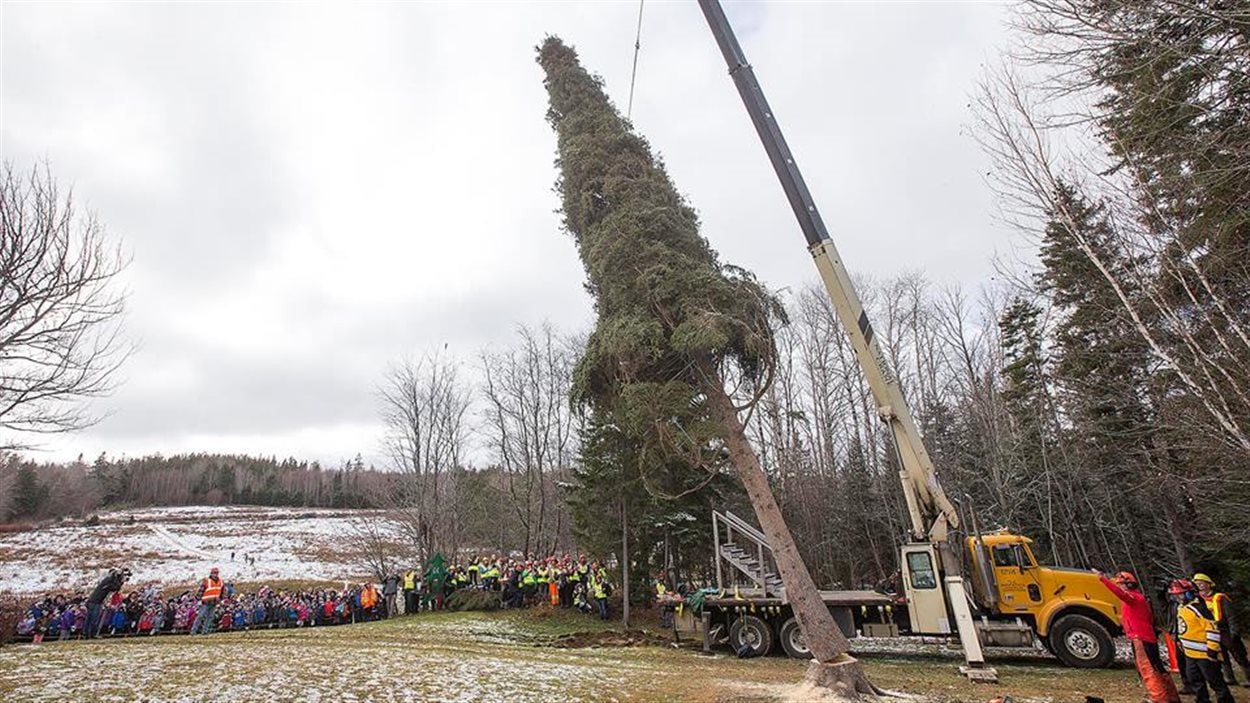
673,321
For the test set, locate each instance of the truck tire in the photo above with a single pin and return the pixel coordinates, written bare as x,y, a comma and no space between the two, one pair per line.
1081,642
750,636
792,640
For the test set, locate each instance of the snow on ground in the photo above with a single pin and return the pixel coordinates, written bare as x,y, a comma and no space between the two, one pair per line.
450,658
465,657
177,546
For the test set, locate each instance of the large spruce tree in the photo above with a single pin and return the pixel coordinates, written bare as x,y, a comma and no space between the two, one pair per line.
675,324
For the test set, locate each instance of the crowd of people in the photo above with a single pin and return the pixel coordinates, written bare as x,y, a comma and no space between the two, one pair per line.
215,605
565,581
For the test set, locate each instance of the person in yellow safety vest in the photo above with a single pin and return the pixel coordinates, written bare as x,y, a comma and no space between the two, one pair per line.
1221,608
410,591
1200,638
582,568
474,569
529,580
599,590
210,595
490,576
664,600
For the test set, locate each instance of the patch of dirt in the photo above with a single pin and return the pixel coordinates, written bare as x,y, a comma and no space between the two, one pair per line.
585,640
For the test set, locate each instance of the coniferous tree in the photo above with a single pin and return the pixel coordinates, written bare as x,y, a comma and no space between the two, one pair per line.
1035,455
674,323
1106,385
29,494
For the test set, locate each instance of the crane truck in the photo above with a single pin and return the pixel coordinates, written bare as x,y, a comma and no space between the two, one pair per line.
988,589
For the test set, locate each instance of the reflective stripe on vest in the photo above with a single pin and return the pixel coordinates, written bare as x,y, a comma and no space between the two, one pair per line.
212,590
1197,633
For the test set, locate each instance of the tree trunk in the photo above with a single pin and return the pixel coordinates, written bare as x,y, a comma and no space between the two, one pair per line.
624,565
833,669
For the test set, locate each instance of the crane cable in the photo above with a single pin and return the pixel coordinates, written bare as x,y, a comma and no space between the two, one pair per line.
633,76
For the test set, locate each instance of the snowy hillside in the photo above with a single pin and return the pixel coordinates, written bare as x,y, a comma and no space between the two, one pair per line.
176,546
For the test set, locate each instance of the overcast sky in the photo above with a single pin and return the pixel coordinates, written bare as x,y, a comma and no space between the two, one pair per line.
311,191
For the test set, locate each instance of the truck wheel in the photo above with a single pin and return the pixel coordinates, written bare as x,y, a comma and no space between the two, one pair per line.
792,640
750,636
1081,642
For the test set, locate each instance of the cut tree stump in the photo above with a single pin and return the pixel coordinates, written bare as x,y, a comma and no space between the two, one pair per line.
844,677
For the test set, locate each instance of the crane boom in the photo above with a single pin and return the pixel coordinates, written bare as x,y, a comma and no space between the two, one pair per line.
932,514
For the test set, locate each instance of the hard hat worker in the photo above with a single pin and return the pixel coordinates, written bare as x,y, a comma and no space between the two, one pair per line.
1200,639
1139,628
210,596
1221,608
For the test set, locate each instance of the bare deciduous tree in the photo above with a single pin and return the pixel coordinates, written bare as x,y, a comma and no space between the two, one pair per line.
531,428
375,547
424,404
60,308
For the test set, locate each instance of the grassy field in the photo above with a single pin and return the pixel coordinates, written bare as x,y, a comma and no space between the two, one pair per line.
467,657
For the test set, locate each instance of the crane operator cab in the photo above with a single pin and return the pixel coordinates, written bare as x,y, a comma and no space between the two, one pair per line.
1015,599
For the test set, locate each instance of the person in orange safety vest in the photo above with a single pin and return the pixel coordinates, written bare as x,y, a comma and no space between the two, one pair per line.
210,595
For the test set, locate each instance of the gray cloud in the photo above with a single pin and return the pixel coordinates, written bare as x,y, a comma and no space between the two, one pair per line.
312,191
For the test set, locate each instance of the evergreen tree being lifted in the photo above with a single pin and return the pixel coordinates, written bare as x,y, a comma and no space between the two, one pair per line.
674,324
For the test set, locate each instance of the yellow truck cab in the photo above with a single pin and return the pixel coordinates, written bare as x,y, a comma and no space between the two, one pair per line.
1071,612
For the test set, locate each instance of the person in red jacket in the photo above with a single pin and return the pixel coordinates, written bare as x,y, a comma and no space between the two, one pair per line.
1139,627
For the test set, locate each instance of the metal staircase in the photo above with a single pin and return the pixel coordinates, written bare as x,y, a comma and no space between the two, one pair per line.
746,549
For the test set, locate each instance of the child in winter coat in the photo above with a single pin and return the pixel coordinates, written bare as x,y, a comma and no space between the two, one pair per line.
68,617
26,626
51,626
80,619
41,623
170,617
117,623
145,621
